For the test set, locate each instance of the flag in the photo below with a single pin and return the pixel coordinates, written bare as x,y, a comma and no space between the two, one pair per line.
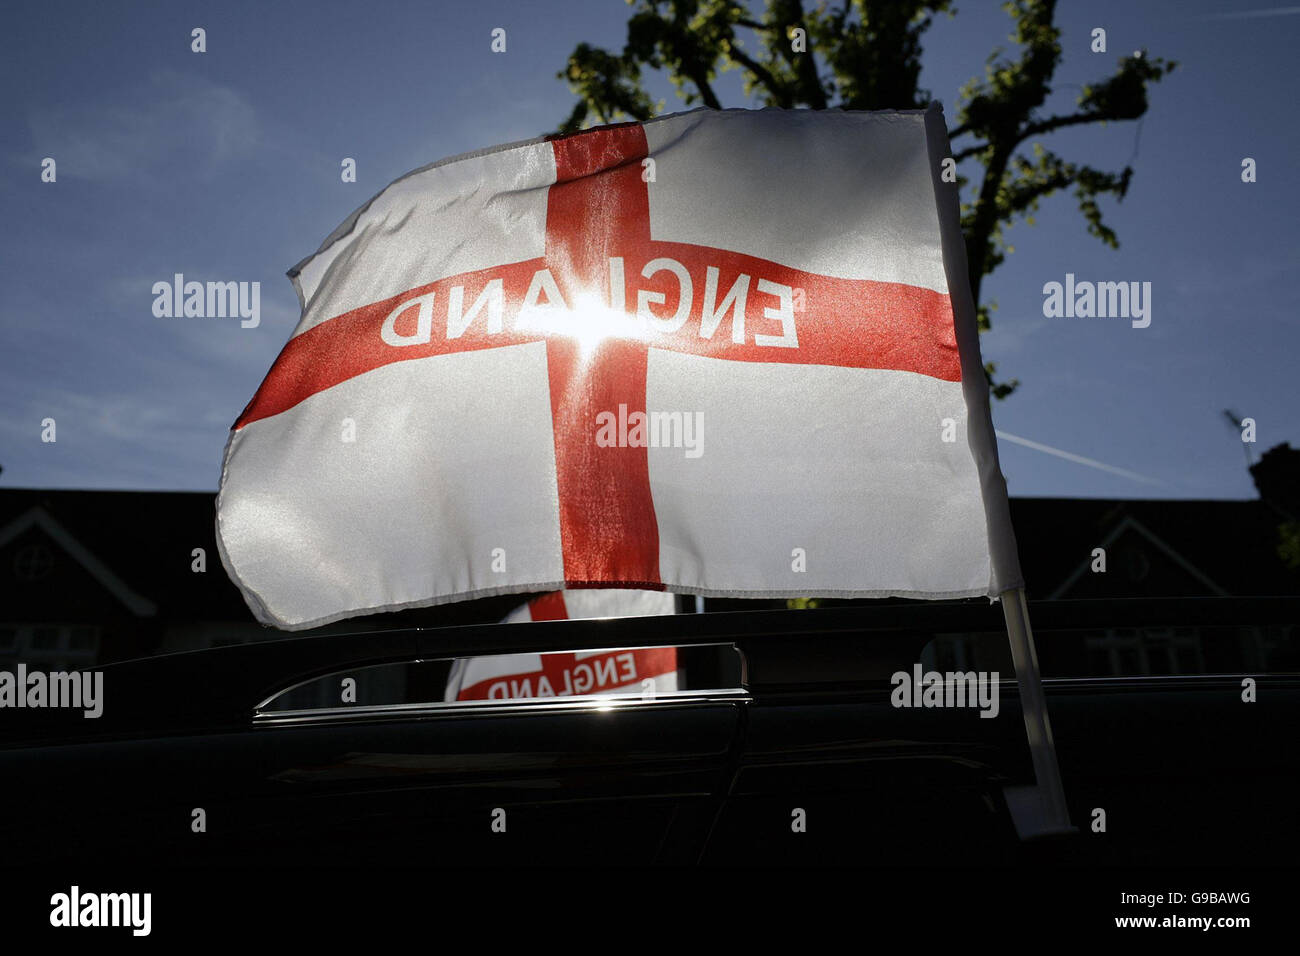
729,353
574,605
560,674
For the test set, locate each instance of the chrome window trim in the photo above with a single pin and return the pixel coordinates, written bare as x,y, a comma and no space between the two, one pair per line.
592,703
1171,678
348,672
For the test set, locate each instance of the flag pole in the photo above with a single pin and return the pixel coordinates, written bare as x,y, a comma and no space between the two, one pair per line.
1051,815
1038,810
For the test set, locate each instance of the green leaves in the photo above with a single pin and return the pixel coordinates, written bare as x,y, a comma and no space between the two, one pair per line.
607,86
1002,111
1288,546
864,55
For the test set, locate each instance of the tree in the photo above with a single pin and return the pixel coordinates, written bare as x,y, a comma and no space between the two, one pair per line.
866,55
1277,478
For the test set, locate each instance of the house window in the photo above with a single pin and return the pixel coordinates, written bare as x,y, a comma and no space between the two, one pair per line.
33,562
1139,653
948,652
58,647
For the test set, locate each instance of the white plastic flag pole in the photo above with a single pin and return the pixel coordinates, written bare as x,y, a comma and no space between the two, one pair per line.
1052,814
1041,809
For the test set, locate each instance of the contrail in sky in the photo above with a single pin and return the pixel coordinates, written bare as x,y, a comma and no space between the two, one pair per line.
1078,459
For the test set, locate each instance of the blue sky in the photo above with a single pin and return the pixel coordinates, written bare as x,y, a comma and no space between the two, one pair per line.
225,166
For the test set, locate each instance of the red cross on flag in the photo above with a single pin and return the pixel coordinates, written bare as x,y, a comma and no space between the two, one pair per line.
721,352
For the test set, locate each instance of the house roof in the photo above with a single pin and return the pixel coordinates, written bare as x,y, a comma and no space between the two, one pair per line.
1228,544
36,517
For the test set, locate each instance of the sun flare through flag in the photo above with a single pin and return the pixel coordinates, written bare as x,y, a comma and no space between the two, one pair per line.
720,352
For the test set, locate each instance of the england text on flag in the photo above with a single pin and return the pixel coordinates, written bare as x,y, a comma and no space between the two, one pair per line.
641,670
427,434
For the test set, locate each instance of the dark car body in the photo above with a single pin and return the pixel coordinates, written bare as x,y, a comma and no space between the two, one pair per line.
1184,769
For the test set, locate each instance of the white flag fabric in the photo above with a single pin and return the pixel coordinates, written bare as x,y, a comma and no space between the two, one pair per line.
609,602
559,674
729,353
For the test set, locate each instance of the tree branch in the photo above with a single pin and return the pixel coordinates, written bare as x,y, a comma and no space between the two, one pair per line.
806,66
701,81
1060,122
763,75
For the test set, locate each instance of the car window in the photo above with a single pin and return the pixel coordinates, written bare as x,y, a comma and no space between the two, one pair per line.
627,674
